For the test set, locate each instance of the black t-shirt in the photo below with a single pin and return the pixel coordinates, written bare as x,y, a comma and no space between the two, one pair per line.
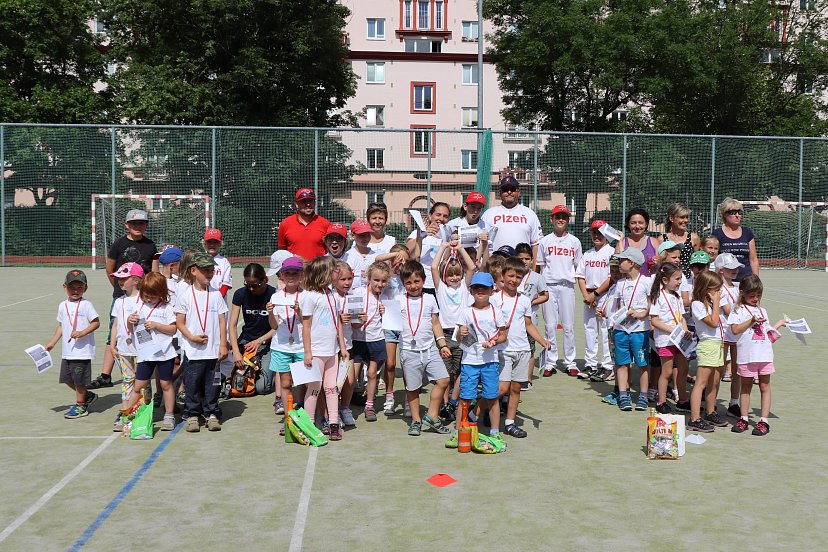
253,312
125,250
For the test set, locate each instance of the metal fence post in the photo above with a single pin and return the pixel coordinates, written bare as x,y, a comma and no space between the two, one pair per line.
624,180
535,173
112,201
712,183
799,207
428,169
213,179
316,162
2,196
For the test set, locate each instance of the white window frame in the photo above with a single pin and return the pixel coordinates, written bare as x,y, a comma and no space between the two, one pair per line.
427,25
375,158
471,31
469,117
376,27
468,160
408,14
471,75
375,115
422,107
374,197
375,65
424,138
439,6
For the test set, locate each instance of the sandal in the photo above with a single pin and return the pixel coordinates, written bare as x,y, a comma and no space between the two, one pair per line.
727,378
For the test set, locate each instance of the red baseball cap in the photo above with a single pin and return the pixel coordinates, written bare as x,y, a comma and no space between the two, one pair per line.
337,228
212,234
560,209
476,197
597,224
305,193
360,226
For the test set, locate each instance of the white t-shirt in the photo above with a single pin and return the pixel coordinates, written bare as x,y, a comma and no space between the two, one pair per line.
513,312
121,309
394,288
181,287
417,335
531,286
76,316
347,329
609,301
223,274
430,246
290,324
632,294
731,295
359,264
201,310
454,224
485,323
371,329
669,309
162,314
593,267
325,309
172,286
701,311
383,246
452,303
753,344
558,256
516,225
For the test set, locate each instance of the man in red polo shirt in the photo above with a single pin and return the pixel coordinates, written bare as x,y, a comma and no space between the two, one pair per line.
303,233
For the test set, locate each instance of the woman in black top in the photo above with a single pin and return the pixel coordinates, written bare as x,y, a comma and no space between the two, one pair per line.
675,225
251,301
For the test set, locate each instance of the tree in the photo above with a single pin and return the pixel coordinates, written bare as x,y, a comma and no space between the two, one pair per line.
49,63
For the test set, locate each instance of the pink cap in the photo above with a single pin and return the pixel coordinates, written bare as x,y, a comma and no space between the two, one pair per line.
560,209
212,234
360,226
597,224
476,197
129,269
338,229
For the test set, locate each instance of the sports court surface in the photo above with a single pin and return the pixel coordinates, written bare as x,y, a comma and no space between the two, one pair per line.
579,481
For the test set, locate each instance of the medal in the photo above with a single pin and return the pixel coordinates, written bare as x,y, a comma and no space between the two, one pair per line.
291,322
129,341
202,323
419,320
290,340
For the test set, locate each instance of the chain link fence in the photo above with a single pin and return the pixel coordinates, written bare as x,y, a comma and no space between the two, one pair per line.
51,172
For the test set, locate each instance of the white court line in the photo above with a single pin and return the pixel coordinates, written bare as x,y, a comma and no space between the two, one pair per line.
29,438
54,490
26,300
304,500
795,304
806,295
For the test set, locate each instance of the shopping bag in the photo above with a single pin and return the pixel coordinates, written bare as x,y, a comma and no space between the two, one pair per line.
142,423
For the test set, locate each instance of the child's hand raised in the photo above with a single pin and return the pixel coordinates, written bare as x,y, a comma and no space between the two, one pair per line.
715,296
483,237
346,317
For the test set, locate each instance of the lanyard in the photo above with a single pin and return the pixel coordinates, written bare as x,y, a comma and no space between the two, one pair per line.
732,299
77,308
514,308
669,306
633,292
291,323
419,316
368,295
151,310
123,313
333,310
484,332
206,307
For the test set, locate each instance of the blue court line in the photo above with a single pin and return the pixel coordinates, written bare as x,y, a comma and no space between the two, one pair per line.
107,511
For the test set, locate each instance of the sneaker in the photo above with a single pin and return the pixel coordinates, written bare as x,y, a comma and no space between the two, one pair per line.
549,371
499,438
526,386
76,411
336,432
370,415
326,427
451,443
642,403
381,385
447,413
609,375
179,398
388,407
158,399
740,426
406,410
683,406
213,423
515,431
714,419
611,399
90,398
734,411
603,374
435,425
101,381
664,408
586,374
282,431
573,372
762,428
699,425
192,425
415,429
278,406
168,424
347,417
652,395
673,394
118,426
625,403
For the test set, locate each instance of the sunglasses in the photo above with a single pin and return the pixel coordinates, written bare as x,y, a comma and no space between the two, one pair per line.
250,285
735,212
508,190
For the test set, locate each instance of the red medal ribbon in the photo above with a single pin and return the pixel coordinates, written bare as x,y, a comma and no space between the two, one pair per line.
123,313
292,322
484,332
77,308
514,308
419,316
333,310
206,309
368,294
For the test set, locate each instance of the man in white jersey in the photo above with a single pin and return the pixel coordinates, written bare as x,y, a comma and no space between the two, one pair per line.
515,223
558,255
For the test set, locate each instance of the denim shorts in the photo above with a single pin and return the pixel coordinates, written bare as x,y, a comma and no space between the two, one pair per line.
631,347
488,374
392,336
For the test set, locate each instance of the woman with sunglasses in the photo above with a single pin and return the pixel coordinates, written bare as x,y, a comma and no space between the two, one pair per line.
737,239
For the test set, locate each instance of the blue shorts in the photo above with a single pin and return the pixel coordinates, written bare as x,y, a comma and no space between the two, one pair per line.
631,347
487,374
145,369
280,361
392,336
368,351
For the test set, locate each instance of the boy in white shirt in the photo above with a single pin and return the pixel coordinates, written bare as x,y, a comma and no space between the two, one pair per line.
558,255
222,276
533,287
593,277
77,319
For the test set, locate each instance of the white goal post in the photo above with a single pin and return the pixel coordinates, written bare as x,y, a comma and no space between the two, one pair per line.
784,205
141,197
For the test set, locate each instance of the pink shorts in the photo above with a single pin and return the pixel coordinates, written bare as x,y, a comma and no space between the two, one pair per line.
668,351
753,369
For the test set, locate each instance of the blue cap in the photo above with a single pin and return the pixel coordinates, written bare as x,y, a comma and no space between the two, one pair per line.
170,255
482,279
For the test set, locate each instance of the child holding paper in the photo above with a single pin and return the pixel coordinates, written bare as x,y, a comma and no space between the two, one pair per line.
343,278
322,338
77,319
369,339
121,340
534,287
469,221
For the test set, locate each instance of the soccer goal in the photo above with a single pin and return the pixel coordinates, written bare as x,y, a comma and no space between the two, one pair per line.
174,219
789,234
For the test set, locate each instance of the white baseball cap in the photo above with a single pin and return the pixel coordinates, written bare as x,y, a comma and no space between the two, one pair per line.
276,261
727,260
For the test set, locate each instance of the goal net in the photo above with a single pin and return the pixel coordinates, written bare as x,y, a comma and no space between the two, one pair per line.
789,234
174,219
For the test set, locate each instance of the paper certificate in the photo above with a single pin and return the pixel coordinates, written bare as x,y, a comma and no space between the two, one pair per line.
619,317
471,339
301,374
145,340
41,357
283,300
609,232
392,320
468,236
355,304
418,219
342,371
799,326
683,341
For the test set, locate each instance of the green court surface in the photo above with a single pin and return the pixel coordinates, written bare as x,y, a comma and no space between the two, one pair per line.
580,481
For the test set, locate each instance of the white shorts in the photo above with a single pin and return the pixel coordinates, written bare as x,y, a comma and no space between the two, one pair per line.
417,364
514,365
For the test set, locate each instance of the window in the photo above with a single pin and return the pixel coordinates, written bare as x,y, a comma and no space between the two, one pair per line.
423,21
619,116
805,84
438,15
374,197
407,14
421,139
375,115
376,29
376,71
423,46
469,117
470,31
470,74
98,26
805,5
375,158
468,160
770,55
518,133
423,97
520,159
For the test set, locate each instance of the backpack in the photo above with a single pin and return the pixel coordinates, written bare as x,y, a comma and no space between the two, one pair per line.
250,380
